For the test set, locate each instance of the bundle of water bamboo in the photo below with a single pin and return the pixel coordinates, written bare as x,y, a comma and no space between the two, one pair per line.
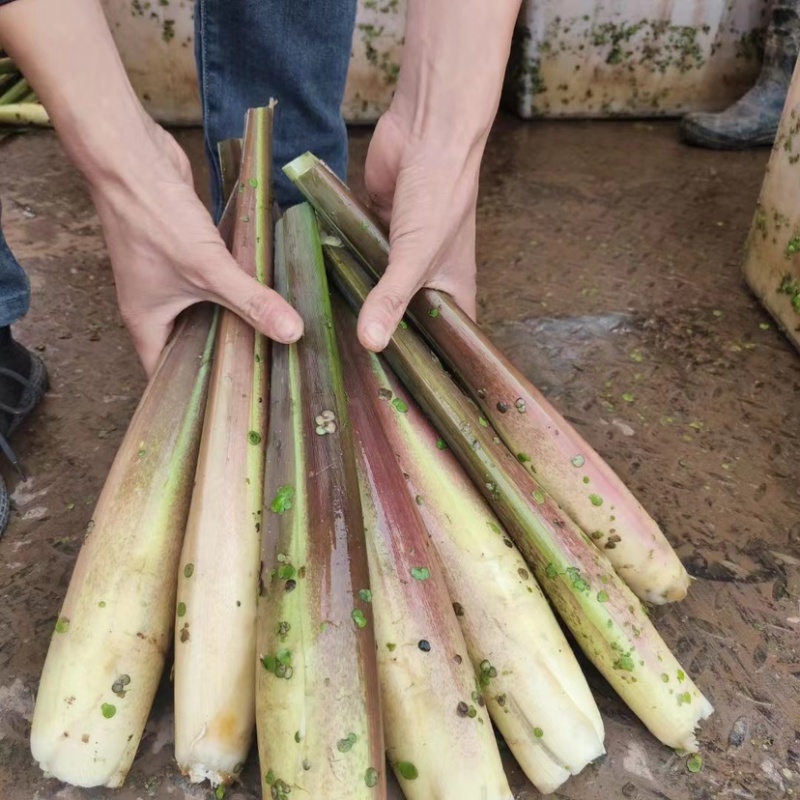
364,561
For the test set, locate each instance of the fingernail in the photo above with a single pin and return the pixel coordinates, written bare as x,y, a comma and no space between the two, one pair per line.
376,335
288,329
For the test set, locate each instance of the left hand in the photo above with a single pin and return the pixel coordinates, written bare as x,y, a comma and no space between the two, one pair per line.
426,192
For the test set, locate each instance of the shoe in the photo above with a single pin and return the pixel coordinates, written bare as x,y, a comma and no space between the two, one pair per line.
753,120
23,383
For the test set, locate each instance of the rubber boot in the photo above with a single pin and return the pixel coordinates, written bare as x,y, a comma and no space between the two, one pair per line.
753,120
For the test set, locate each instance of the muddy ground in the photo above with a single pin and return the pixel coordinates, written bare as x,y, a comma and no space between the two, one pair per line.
610,271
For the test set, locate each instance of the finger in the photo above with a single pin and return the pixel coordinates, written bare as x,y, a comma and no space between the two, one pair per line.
149,341
385,305
262,307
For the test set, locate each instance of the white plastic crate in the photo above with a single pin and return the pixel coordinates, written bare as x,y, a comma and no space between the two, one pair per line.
584,58
571,58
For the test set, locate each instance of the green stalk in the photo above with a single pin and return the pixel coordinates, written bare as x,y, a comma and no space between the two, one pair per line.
565,464
218,577
430,699
15,93
317,693
115,626
606,618
113,631
534,688
24,114
229,152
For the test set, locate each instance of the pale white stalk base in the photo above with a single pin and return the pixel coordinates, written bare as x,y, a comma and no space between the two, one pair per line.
538,696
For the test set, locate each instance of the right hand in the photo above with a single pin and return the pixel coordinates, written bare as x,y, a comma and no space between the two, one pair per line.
167,254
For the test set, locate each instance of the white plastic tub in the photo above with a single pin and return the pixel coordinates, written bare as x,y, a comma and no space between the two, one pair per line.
578,58
572,58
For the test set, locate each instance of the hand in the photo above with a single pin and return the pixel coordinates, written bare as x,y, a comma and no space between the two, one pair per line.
427,196
166,253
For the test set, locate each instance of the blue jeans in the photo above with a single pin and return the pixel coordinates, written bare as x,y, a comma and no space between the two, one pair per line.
15,291
296,51
249,51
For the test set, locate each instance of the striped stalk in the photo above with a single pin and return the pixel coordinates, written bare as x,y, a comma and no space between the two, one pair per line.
219,566
317,692
550,448
608,621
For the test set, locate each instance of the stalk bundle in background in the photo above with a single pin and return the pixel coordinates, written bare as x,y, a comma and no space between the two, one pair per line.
19,106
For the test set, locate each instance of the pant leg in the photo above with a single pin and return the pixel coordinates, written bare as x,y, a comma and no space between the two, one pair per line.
297,51
15,291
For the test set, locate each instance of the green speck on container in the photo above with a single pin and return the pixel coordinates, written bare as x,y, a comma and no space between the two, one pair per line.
181,609
441,444
578,461
108,710
365,595
371,777
403,324
681,676
188,571
407,770
297,737
764,326
522,458
538,496
602,597
595,499
433,313
684,698
286,572
102,604
419,500
391,647
254,437
62,625
358,617
420,573
665,677
694,763
142,453
400,405
219,792
586,479
538,733
628,397
270,777
551,571
253,182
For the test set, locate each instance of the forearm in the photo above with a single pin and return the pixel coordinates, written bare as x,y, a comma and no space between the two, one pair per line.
66,51
455,58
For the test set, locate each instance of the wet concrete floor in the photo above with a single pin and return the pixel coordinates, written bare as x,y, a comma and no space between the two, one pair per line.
610,271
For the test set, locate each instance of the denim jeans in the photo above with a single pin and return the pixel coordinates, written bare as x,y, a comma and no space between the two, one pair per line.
15,291
249,51
296,51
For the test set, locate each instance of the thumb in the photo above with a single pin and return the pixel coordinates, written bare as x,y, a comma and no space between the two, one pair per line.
386,303
262,307
149,340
